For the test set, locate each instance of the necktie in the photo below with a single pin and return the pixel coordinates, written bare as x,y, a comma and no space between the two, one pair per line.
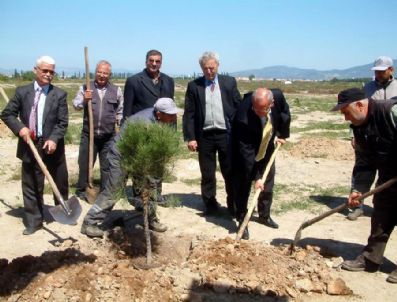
266,135
212,86
33,113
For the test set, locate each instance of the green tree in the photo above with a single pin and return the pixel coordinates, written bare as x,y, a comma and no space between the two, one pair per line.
147,150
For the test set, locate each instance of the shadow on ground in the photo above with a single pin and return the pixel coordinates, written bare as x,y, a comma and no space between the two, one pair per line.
17,274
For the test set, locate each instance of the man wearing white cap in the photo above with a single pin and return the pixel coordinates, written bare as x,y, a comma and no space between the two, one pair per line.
383,87
164,111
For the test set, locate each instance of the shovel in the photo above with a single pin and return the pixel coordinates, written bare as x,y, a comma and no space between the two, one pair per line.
91,192
339,208
68,211
257,192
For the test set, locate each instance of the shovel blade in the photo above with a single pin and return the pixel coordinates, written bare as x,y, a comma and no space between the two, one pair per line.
62,216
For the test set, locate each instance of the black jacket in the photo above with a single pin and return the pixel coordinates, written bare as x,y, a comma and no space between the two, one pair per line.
247,135
194,115
140,92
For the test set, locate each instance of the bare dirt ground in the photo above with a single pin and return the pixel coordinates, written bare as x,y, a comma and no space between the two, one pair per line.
197,259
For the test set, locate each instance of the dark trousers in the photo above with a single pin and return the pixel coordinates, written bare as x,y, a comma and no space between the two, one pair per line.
33,185
101,147
383,221
211,143
242,188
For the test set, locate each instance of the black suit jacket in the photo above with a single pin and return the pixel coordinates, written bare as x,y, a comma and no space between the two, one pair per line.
194,115
140,93
55,119
247,135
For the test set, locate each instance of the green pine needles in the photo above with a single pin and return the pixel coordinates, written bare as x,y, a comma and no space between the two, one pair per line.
147,148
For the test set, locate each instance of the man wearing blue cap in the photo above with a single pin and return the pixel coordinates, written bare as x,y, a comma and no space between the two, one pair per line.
374,125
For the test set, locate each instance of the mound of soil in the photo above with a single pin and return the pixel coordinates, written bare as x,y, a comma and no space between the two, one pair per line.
322,148
185,270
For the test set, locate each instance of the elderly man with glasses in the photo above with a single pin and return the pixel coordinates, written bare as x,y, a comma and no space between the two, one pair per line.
262,117
39,110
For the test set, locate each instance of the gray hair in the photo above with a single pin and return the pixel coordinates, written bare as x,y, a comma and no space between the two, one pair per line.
103,62
45,60
266,93
209,55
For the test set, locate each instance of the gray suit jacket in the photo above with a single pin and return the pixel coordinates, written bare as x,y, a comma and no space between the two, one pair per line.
55,118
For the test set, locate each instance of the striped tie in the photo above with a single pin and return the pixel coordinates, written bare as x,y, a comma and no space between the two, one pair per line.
33,114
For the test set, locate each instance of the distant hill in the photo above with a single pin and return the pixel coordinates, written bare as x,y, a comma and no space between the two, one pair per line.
292,73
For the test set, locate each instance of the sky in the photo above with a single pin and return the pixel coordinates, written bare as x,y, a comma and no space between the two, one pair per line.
247,34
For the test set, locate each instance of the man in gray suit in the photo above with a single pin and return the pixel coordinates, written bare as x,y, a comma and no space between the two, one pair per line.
39,110
210,104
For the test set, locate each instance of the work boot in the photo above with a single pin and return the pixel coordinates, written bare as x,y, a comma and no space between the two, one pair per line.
268,221
91,230
360,264
32,230
357,212
392,278
246,234
156,225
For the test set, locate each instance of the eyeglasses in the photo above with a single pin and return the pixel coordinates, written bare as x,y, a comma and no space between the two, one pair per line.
51,72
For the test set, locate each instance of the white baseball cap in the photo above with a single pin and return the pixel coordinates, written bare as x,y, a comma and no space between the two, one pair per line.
382,63
166,105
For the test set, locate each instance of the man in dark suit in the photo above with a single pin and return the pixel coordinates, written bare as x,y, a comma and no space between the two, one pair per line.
39,110
141,91
210,105
262,116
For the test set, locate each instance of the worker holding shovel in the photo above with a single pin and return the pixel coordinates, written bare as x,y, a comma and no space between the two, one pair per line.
262,116
39,110
107,111
374,125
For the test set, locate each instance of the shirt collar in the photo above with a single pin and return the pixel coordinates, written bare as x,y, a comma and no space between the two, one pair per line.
208,82
44,88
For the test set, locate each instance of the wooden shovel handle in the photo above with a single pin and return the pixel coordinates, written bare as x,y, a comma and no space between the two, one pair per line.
257,192
45,170
90,122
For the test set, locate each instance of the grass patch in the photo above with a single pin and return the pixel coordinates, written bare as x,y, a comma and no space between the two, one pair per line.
323,125
304,104
172,201
191,181
16,175
306,198
73,134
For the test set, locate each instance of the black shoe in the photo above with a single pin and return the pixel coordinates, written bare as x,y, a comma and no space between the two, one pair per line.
91,230
268,221
31,230
211,208
246,234
360,264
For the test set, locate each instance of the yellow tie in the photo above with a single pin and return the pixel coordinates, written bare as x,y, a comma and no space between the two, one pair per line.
266,135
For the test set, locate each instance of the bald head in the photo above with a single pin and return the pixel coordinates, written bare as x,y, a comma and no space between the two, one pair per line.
262,101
